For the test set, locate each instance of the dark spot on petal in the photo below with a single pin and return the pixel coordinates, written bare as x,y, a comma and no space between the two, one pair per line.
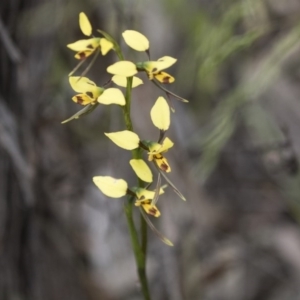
82,55
90,46
79,100
164,167
154,70
166,79
142,198
90,94
152,211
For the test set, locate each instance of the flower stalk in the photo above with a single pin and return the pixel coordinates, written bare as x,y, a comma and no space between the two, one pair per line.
90,96
139,252
139,247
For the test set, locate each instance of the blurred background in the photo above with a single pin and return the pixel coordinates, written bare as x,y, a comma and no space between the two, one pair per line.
236,153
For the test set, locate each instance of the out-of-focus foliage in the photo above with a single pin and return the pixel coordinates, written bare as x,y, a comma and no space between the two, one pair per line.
219,40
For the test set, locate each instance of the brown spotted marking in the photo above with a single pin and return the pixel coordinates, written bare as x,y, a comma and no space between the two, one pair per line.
166,79
152,211
79,100
81,55
164,167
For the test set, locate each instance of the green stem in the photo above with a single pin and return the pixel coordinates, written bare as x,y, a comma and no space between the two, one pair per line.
126,107
144,235
140,258
139,250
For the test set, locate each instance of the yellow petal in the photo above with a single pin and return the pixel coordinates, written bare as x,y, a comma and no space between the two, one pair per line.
79,84
166,61
136,81
122,81
160,114
151,209
166,145
110,186
82,45
105,46
141,169
112,96
83,99
85,24
125,139
162,163
156,148
164,77
123,68
136,40
143,194
85,85
159,65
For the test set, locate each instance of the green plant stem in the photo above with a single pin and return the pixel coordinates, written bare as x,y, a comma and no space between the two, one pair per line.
139,248
144,236
126,107
140,258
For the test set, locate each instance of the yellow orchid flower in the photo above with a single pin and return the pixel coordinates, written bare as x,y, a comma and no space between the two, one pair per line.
156,152
90,93
85,48
87,89
117,188
144,199
154,69
149,209
160,115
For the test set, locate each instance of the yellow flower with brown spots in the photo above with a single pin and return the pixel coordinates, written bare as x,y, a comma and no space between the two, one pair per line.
156,152
117,188
90,93
87,47
144,199
160,116
154,69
